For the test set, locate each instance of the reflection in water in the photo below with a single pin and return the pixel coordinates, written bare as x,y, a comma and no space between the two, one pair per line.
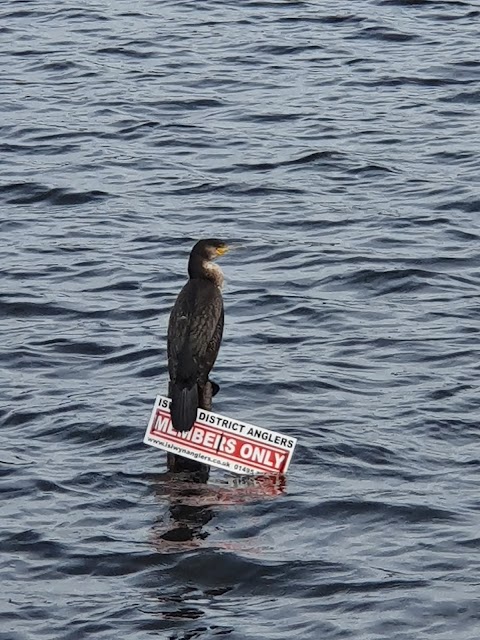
183,527
192,505
188,522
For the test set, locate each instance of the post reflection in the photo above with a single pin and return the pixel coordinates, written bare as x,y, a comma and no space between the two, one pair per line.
192,504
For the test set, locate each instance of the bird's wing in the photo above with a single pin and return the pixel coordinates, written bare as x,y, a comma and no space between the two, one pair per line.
195,329
212,348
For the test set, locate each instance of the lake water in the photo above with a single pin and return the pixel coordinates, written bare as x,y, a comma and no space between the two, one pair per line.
337,145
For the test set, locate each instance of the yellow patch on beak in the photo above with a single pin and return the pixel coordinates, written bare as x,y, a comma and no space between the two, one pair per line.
220,251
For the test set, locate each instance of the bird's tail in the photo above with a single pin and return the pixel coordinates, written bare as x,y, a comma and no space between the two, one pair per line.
183,409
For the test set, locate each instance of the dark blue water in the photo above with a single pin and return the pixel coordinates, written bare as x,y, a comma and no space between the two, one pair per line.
338,143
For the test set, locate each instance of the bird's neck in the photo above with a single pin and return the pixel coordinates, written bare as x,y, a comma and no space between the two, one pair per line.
206,270
214,273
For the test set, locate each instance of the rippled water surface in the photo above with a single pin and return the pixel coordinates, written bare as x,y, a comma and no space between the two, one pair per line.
338,144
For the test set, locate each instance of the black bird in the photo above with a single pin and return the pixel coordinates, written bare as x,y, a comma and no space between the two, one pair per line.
194,334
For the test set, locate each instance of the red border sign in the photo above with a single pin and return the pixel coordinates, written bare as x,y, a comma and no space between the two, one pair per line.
221,442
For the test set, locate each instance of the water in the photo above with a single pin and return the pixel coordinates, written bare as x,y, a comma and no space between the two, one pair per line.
338,144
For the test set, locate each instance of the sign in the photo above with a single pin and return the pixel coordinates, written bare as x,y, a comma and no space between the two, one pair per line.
221,442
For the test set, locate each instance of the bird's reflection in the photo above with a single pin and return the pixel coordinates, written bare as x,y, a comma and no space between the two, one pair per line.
192,503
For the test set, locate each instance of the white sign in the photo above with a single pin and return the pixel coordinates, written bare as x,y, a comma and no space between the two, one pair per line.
221,442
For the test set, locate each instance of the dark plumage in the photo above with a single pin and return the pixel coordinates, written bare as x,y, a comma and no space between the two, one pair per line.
195,332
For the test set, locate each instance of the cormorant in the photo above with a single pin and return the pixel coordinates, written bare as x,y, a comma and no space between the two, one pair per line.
195,331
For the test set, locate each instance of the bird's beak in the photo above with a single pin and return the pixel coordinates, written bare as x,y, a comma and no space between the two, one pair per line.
221,251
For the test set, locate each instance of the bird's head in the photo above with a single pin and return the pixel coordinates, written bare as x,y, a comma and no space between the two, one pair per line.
210,249
201,260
